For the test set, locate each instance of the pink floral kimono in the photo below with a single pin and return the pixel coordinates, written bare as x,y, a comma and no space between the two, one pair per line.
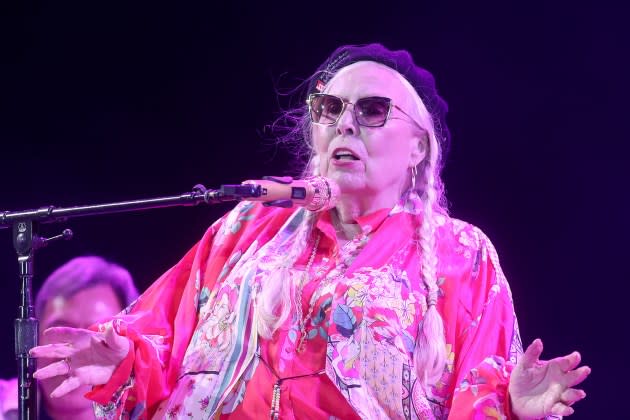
196,352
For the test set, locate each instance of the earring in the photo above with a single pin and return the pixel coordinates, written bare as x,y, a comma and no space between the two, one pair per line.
414,174
411,202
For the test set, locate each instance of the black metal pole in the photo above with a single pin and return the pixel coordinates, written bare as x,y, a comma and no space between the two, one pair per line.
26,242
51,214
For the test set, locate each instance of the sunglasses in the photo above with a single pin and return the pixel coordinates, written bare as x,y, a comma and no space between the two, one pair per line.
372,111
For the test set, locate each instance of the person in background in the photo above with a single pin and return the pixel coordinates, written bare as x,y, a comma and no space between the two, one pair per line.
83,291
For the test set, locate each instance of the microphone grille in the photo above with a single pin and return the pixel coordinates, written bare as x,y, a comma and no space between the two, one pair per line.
325,193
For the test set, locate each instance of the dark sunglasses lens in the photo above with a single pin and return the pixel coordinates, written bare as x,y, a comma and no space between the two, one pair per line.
373,111
325,109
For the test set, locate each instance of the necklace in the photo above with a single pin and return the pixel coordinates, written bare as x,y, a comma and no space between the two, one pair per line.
298,296
355,246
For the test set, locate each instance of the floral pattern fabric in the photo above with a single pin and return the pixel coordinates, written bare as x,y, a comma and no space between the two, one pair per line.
195,346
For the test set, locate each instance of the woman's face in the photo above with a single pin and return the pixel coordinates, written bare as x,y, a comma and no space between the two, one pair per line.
369,163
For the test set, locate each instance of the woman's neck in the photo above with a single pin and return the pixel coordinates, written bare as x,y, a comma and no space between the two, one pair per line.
357,201
349,208
346,231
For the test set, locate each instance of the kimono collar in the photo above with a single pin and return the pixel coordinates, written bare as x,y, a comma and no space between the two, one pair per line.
409,203
368,223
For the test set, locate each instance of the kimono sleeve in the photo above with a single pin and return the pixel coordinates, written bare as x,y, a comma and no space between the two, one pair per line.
489,342
161,322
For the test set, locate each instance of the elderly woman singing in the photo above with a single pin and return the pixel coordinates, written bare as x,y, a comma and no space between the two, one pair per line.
380,307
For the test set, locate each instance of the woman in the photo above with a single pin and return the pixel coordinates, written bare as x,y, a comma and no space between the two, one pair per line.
382,307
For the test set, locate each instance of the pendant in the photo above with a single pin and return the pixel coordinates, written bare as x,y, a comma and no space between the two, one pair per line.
274,414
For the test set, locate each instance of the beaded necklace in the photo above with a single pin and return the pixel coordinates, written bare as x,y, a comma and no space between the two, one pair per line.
358,243
299,290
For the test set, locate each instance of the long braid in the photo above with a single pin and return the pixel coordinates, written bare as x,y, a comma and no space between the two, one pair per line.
429,353
275,300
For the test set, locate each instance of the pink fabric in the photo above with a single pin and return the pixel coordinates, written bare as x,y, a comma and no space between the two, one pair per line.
195,345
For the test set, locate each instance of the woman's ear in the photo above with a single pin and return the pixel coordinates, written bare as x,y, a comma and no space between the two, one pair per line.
419,149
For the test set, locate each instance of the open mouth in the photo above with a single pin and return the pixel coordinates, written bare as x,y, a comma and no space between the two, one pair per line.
344,155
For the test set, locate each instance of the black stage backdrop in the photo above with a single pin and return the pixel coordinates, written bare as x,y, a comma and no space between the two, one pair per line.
108,102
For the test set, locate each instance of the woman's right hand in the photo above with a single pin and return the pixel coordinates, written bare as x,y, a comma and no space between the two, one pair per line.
85,357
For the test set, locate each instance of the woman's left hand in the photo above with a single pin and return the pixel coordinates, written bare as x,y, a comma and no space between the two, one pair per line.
539,388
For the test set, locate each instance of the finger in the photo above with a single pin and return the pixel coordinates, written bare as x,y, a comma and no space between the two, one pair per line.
54,369
571,396
66,386
50,351
116,342
569,362
66,334
560,409
576,376
111,337
53,332
532,354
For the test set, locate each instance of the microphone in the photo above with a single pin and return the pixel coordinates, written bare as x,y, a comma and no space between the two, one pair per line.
315,193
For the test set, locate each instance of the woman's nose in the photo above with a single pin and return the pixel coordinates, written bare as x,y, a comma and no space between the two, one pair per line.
347,124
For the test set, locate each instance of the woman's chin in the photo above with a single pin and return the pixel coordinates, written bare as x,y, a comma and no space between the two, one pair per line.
348,182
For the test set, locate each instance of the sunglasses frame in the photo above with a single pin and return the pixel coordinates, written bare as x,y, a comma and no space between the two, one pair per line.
345,103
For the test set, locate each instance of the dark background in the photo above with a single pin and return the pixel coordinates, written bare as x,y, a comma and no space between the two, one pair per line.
107,102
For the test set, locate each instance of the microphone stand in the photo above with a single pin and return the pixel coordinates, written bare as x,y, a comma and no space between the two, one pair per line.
26,240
